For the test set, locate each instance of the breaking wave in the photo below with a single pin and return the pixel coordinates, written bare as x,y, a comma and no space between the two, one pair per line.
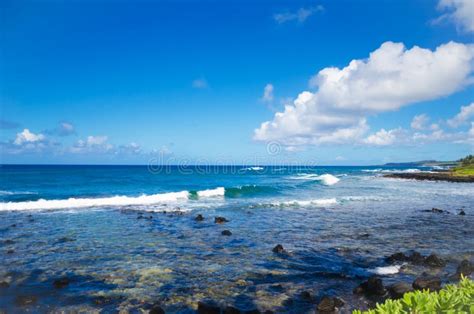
326,179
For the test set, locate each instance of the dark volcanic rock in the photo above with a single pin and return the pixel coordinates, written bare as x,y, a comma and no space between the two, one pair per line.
434,261
372,287
465,268
255,311
226,233
231,310
25,300
329,304
220,220
416,258
432,283
156,309
462,212
61,282
4,284
306,296
397,257
278,249
205,308
199,218
397,290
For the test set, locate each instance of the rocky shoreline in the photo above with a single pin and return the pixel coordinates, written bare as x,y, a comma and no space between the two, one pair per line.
431,176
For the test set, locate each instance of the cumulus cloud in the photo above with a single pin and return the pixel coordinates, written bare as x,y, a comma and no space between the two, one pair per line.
63,129
460,12
200,83
131,148
383,137
420,122
299,16
463,116
392,77
267,93
26,137
97,144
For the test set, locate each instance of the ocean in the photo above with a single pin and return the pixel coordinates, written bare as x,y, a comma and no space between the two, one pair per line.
126,236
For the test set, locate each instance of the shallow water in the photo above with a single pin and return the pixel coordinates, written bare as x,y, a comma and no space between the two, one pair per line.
133,252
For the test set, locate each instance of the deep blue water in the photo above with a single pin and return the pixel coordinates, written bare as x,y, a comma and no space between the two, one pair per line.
127,238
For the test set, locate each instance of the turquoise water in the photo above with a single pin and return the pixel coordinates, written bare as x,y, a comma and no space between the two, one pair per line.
126,237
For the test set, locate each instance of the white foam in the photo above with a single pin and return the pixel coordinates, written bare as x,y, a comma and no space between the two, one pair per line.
17,193
220,191
96,202
412,170
305,203
254,168
386,270
326,179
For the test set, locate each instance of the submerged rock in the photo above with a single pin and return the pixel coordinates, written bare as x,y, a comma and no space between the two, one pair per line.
156,309
226,233
4,284
220,220
434,261
462,212
231,310
372,287
432,283
205,308
465,268
278,249
61,282
199,217
397,290
306,296
437,210
25,300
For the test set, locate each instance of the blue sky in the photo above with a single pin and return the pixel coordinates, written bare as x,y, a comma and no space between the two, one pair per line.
123,82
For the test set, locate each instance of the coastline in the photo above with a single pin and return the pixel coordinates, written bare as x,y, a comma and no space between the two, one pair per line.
431,176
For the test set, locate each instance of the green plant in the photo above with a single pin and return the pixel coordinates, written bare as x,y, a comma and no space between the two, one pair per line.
451,299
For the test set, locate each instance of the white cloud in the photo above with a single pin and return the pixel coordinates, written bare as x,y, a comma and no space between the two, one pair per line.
200,83
419,122
463,116
340,158
92,144
461,12
383,137
268,93
131,148
300,16
392,77
63,129
27,137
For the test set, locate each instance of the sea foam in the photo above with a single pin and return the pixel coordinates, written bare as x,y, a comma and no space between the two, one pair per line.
96,202
326,179
305,203
386,270
220,191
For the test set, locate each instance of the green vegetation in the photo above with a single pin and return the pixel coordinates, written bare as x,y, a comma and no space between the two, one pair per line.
451,299
465,167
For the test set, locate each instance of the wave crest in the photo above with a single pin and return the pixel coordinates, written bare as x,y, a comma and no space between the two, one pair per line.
96,202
